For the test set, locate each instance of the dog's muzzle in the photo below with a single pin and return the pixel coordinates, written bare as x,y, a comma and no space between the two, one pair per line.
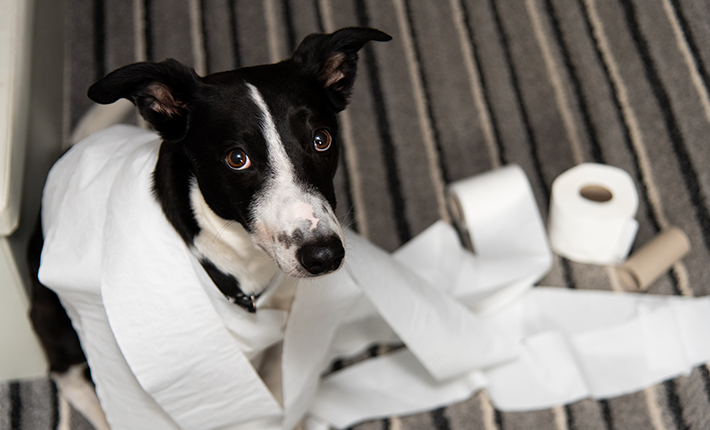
322,257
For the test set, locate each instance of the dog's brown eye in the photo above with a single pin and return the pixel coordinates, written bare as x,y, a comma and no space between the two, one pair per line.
238,159
321,140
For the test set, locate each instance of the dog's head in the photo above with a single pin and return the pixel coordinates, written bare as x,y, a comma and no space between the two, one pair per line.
257,146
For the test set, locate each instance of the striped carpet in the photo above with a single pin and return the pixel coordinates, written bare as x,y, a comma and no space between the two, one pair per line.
465,86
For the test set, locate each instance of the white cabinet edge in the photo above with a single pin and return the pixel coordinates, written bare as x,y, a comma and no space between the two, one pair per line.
15,54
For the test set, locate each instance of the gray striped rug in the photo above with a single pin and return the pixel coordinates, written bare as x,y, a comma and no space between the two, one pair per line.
465,86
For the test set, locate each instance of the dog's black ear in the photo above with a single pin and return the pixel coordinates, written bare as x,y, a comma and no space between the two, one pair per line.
162,92
332,59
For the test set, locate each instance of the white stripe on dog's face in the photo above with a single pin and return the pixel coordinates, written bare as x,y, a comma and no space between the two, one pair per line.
286,213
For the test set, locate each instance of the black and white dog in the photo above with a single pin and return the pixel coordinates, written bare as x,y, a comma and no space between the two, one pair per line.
245,169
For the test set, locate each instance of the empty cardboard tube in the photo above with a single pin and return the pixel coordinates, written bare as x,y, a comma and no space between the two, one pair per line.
653,259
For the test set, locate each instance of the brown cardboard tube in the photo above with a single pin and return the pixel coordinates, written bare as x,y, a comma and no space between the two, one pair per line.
654,258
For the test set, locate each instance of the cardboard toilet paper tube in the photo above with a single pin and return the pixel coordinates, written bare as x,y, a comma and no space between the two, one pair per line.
653,259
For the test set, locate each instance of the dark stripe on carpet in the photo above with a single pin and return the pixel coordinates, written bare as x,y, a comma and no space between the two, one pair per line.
675,405
319,16
638,173
148,28
606,414
236,51
692,45
288,24
484,86
441,422
505,43
389,151
100,38
688,172
569,414
205,36
706,379
582,103
427,91
567,273
352,222
15,406
54,396
498,416
672,397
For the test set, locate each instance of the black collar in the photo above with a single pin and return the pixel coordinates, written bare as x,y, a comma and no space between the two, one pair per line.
229,286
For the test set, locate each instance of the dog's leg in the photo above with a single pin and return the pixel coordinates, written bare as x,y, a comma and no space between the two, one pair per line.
75,387
49,319
67,363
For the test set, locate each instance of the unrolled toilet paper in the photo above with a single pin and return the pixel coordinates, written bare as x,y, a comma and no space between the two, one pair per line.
168,351
573,345
592,212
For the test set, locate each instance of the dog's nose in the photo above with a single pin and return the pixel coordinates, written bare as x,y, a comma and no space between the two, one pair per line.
322,257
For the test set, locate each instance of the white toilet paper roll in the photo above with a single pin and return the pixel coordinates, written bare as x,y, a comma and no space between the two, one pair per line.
592,212
497,212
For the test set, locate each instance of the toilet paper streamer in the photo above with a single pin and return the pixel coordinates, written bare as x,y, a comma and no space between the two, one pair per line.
168,351
573,344
592,212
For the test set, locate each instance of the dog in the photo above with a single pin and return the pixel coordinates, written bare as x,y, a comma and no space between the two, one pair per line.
244,175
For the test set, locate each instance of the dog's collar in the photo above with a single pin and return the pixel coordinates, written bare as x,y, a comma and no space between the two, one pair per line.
229,286
243,300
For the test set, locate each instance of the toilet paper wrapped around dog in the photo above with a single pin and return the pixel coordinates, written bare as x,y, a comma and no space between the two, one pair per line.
162,341
168,351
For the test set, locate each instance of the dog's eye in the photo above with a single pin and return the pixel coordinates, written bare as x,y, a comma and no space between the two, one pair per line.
322,140
238,159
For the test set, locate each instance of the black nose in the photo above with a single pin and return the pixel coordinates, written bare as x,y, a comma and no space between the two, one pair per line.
322,257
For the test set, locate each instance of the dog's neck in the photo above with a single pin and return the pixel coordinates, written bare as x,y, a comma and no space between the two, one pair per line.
238,268
227,246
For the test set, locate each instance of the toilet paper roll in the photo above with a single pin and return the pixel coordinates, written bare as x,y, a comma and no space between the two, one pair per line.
653,259
499,213
497,216
592,212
